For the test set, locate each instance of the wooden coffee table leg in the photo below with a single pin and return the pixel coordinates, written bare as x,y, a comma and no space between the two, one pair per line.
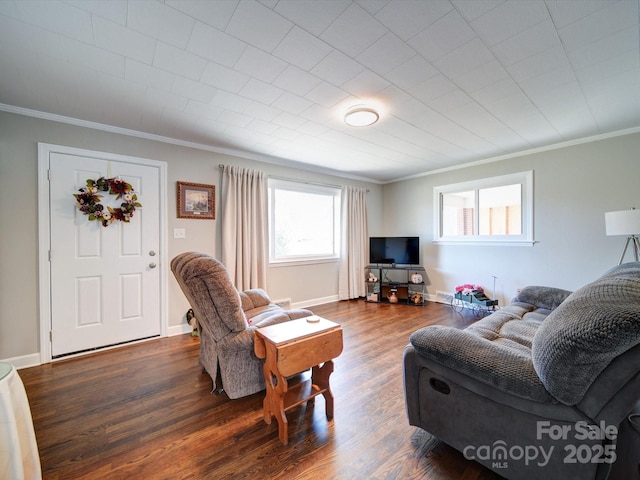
283,427
273,404
320,377
267,403
277,407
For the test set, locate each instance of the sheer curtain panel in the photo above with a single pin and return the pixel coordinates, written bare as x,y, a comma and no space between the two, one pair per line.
245,226
354,233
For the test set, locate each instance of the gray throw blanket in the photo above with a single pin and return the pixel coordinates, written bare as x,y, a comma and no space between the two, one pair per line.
587,331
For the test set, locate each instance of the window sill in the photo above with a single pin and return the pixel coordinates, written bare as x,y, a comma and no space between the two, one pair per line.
306,261
488,243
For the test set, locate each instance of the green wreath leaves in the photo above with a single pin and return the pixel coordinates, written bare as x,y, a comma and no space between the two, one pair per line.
88,200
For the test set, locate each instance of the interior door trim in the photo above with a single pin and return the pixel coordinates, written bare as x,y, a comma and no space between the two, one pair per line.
44,235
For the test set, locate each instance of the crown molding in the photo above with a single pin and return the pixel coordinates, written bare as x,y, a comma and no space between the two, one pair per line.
183,143
523,153
291,163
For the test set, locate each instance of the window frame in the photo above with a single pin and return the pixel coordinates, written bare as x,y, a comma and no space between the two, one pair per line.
303,187
526,238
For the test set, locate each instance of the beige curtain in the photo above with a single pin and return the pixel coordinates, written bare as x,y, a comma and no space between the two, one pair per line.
245,245
354,232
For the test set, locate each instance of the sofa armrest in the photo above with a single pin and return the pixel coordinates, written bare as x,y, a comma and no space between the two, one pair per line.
542,297
494,363
283,316
411,382
254,298
296,313
237,341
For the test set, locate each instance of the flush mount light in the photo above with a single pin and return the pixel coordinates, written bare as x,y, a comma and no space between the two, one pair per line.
361,116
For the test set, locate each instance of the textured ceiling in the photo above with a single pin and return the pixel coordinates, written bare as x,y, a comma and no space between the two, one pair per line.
455,81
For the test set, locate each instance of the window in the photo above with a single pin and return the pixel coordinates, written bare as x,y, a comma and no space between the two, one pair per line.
303,221
490,210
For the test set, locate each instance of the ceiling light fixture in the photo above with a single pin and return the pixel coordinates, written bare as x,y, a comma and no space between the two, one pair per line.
361,116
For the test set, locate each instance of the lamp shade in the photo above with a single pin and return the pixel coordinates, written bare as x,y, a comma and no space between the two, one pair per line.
623,222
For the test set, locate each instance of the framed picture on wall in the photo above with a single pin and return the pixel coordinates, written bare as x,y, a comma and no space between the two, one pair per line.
196,200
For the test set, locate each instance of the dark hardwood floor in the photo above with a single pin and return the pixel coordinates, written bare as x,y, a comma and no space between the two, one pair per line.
145,411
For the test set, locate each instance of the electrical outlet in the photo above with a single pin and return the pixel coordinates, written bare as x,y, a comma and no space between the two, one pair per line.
179,233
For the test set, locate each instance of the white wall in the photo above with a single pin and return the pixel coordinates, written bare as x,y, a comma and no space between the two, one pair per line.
573,187
19,136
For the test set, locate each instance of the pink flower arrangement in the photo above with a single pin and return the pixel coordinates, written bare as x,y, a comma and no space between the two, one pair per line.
468,289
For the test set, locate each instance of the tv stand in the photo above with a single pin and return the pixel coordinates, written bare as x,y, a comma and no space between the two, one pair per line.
395,284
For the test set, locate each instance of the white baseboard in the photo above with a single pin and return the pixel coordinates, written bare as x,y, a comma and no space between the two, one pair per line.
181,329
25,361
335,298
33,359
443,297
315,301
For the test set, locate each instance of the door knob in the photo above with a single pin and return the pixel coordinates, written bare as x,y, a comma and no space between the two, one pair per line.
152,253
152,265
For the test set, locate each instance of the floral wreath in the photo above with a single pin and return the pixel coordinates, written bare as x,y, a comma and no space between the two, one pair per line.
88,200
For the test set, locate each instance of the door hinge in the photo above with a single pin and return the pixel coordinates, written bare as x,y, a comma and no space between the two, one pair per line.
51,335
49,255
49,174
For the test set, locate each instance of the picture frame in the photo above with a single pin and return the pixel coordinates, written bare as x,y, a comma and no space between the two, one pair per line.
196,200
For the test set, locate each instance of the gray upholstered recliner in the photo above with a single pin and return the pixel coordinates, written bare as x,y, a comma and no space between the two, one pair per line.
547,387
227,320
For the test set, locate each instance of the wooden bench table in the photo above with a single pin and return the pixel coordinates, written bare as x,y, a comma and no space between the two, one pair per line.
290,348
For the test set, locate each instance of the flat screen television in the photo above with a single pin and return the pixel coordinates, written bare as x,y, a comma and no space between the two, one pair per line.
394,250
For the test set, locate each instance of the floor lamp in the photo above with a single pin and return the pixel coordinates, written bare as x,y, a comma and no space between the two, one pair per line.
625,222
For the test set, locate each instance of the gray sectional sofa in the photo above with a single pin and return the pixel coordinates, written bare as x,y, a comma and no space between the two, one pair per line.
546,387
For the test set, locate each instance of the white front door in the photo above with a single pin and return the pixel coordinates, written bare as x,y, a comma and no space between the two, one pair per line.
105,281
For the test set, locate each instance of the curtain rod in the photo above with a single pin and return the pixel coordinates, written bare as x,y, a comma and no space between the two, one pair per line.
299,181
